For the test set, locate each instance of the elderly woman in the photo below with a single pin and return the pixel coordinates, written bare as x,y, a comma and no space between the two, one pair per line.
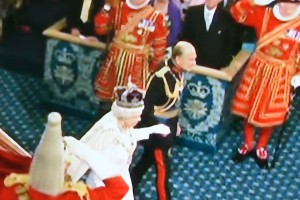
114,136
138,45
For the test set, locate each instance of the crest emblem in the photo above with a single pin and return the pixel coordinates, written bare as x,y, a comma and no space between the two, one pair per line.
64,66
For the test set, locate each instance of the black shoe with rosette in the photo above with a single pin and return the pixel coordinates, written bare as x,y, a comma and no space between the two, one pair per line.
261,158
243,152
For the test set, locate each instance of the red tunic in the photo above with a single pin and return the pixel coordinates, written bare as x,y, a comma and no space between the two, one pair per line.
264,94
138,45
115,188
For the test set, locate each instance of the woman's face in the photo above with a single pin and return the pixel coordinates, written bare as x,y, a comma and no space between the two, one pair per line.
130,122
288,9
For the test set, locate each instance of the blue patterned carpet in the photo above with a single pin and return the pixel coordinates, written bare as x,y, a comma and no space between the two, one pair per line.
22,114
195,175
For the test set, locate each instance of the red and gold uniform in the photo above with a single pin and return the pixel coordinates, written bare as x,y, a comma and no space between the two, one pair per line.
16,186
264,93
138,45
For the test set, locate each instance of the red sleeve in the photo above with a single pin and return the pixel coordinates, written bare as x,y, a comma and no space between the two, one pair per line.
159,42
36,195
115,189
12,163
104,20
102,23
247,13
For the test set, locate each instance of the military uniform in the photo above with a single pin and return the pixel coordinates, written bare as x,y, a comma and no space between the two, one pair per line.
138,46
164,90
264,94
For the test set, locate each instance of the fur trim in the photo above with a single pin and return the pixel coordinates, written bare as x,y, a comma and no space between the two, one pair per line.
119,111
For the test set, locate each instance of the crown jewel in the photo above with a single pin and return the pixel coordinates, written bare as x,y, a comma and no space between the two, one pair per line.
129,96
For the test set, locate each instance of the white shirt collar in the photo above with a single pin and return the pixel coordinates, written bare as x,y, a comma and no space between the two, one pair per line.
211,12
282,18
225,3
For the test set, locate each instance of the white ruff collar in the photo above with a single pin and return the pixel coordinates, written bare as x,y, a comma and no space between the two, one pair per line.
135,7
282,18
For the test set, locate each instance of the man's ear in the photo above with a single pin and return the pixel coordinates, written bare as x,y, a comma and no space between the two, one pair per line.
177,59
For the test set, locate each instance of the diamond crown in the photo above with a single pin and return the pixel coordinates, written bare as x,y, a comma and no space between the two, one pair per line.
129,96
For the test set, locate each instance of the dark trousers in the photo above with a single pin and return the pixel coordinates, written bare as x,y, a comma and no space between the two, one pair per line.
156,152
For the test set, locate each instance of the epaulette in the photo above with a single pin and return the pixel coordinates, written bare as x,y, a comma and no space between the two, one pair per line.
161,73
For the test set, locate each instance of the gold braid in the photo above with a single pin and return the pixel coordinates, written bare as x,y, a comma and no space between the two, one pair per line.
23,185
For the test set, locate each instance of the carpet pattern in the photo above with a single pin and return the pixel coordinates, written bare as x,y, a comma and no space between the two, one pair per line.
22,114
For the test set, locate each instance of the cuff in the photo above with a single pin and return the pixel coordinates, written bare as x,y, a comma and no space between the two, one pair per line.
295,82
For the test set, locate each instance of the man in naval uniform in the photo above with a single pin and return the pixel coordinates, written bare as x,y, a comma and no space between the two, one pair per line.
164,90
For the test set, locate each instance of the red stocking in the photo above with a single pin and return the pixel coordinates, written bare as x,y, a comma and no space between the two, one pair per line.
249,130
264,137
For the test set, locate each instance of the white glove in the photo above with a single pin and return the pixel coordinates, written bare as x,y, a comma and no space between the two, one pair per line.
295,82
100,165
160,129
263,2
143,133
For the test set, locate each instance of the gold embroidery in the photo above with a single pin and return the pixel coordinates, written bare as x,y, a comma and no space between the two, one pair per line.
274,52
270,36
79,187
128,38
174,96
276,80
276,42
23,185
22,188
